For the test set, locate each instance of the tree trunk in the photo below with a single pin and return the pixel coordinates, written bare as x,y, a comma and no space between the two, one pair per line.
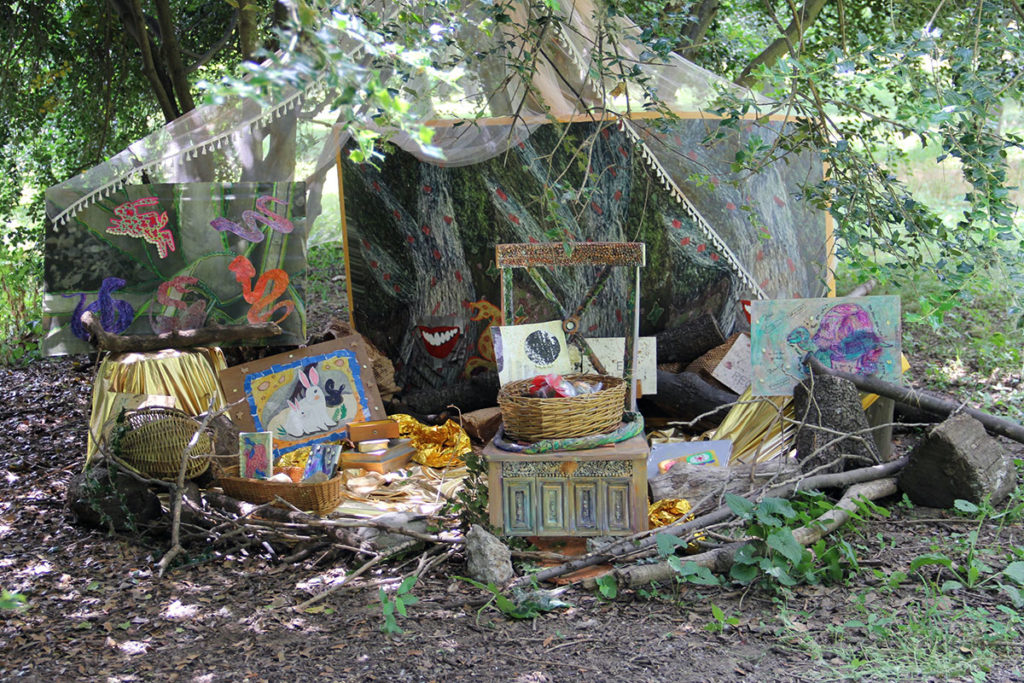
157,80
690,341
694,482
172,56
246,30
685,396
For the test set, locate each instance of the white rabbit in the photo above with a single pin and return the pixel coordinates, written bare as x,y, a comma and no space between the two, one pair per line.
295,420
313,404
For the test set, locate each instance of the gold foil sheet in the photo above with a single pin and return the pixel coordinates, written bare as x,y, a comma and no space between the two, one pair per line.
440,446
664,512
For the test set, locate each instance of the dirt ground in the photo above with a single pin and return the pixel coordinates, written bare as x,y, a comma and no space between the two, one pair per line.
97,611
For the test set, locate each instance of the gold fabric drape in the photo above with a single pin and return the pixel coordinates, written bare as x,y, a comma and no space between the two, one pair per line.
173,378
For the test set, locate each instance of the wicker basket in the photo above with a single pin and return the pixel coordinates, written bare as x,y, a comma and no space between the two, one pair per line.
528,418
320,498
154,439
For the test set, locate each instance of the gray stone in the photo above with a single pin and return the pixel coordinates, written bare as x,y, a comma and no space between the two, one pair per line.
958,459
488,559
834,405
112,500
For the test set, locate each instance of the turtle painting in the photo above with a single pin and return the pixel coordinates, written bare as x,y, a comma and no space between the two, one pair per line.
859,335
845,340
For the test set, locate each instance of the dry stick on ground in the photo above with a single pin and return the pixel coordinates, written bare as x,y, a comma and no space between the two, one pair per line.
720,560
931,404
629,544
178,491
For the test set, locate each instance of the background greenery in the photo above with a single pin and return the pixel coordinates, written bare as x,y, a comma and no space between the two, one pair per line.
913,105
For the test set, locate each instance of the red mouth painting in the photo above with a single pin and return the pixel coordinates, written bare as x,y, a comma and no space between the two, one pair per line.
439,341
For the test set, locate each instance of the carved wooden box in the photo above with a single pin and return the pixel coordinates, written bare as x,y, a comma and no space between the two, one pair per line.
594,492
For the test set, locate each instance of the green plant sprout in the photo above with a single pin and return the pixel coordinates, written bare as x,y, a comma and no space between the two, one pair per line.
392,605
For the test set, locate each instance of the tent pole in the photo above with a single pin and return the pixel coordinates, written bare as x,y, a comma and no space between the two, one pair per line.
344,240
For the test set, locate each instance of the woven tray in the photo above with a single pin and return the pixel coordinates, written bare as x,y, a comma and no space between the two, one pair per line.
531,419
319,498
155,439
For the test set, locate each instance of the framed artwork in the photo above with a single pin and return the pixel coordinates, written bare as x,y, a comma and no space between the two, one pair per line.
164,257
255,455
523,351
307,396
860,335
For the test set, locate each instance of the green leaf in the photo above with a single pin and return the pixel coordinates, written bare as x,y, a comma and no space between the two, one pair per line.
1015,572
784,543
717,612
667,544
695,573
965,506
407,584
740,506
608,586
743,573
931,558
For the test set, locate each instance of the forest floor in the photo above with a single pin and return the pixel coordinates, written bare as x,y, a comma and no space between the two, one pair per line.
97,611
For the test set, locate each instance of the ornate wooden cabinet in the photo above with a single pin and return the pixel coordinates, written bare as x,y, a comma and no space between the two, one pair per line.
596,492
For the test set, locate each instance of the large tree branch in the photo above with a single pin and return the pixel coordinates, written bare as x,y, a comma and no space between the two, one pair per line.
134,21
120,343
931,404
172,55
720,560
784,43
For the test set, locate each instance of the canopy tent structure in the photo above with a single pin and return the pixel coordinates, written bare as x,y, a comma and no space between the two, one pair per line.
506,162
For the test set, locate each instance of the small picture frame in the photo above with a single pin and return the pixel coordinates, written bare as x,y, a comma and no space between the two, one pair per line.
323,459
255,455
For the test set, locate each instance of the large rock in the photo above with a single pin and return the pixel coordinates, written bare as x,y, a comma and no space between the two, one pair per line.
114,500
488,559
958,459
827,407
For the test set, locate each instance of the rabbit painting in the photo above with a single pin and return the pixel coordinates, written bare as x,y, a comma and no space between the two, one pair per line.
307,411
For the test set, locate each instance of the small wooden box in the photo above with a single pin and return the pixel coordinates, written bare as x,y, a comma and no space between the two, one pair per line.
594,492
375,429
394,457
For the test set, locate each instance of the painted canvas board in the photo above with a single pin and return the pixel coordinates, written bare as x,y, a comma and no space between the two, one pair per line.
524,351
323,459
157,258
610,351
861,335
664,455
424,282
256,455
306,396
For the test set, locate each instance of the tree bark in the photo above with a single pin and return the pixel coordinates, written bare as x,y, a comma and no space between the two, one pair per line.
694,34
784,43
246,30
149,67
690,341
693,482
172,55
211,334
686,395
912,397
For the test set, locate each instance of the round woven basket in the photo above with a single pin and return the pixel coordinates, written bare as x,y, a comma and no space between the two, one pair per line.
155,439
528,418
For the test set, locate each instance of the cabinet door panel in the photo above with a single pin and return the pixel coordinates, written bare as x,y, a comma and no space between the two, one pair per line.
617,504
519,510
586,512
553,506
